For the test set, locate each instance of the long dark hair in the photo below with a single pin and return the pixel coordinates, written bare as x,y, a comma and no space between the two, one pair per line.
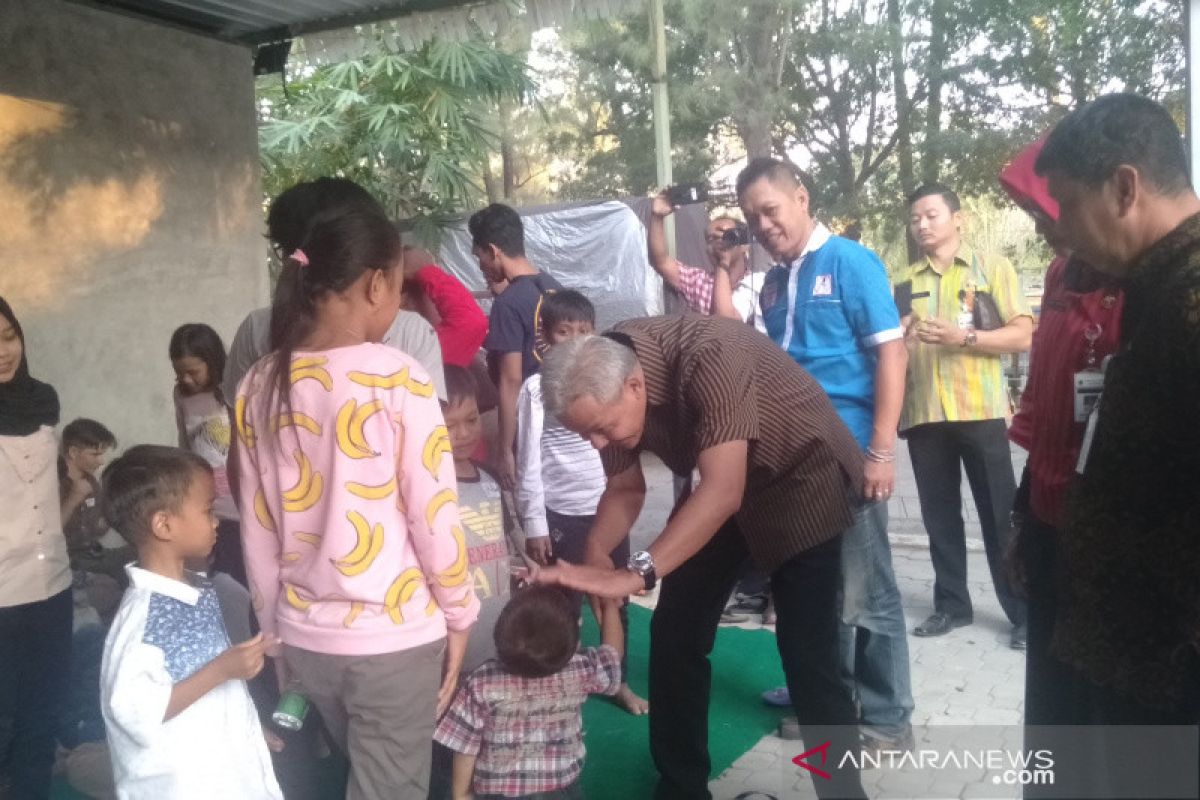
198,340
339,245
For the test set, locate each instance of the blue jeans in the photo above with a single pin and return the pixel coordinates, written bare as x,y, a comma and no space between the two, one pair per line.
873,635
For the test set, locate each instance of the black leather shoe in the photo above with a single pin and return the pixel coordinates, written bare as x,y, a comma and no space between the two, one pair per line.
940,624
1020,633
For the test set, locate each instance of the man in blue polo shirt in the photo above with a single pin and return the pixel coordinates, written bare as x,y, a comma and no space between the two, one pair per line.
828,303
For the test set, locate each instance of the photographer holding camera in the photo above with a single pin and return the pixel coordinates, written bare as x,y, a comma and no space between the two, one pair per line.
728,244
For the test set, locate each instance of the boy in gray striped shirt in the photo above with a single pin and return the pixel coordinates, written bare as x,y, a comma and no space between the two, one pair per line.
559,474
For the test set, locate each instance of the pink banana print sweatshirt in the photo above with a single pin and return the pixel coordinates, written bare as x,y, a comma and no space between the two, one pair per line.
349,507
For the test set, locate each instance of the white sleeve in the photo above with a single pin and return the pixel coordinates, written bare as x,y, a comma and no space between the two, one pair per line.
134,682
530,494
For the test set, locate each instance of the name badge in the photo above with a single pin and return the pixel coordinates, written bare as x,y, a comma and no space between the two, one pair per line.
966,321
769,295
823,286
1088,385
1089,435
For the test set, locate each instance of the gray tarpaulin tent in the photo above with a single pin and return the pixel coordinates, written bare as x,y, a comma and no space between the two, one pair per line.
596,247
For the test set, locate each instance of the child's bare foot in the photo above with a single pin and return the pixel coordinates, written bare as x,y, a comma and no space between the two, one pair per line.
629,701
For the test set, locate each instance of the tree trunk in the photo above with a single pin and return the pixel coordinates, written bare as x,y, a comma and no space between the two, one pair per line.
755,129
939,35
489,182
904,149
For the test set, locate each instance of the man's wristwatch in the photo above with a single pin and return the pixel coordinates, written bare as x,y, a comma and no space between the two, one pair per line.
969,340
642,564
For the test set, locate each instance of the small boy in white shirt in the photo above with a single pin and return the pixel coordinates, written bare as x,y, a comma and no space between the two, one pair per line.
180,720
559,474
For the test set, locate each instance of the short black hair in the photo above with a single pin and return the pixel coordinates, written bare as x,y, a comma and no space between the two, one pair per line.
291,212
777,172
936,190
145,480
87,433
537,633
500,225
567,305
460,385
1091,142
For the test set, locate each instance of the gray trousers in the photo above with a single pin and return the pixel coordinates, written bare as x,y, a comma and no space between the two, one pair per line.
380,711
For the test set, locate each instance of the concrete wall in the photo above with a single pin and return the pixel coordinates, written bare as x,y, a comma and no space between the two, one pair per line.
130,202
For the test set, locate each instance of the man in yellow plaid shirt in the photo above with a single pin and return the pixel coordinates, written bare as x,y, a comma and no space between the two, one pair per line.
956,401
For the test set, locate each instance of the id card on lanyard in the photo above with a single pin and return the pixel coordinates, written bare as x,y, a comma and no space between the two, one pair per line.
1089,381
1093,419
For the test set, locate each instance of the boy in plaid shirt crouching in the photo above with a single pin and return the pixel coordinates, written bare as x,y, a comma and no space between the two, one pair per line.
516,725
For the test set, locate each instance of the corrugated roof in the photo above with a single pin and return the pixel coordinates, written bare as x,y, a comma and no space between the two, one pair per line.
336,24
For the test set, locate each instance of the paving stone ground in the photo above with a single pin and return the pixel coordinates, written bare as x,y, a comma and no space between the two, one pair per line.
968,677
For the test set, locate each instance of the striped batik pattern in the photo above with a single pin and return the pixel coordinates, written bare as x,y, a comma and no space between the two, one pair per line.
957,384
711,380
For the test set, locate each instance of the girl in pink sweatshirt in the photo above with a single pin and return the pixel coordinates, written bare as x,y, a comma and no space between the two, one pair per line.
353,546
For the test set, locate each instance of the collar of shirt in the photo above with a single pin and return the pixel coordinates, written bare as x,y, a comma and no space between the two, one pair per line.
160,584
816,240
963,255
1166,252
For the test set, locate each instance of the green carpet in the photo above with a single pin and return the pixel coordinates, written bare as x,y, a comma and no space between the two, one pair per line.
745,664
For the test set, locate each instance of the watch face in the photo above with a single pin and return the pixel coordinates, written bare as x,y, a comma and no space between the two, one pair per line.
641,562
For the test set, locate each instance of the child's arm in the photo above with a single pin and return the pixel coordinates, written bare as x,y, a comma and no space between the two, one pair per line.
530,492
428,486
612,632
507,391
260,537
456,651
464,773
239,663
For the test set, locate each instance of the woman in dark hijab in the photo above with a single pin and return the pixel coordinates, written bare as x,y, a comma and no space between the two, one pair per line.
35,579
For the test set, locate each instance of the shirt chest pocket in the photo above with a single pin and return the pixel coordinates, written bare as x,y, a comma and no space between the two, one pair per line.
821,326
30,456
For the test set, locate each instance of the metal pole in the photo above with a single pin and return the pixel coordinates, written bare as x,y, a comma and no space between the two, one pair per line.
1192,53
662,107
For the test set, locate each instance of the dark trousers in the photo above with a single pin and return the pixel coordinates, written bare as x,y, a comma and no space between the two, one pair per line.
227,552
683,631
1049,684
937,450
35,672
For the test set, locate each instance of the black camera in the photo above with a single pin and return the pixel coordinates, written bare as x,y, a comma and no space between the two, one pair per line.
736,236
686,194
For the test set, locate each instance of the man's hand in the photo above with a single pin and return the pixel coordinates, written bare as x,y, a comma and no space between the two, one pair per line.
539,549
660,206
616,583
243,661
936,331
879,480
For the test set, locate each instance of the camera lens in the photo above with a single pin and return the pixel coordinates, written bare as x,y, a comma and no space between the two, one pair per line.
735,236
